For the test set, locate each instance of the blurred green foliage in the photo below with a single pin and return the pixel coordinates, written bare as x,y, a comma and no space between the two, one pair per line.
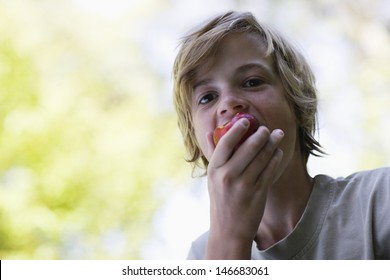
82,157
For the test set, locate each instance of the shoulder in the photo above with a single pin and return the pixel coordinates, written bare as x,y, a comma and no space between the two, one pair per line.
367,180
358,207
374,194
365,188
379,175
370,188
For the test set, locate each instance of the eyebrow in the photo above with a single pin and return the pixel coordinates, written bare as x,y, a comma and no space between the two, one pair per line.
242,68
201,83
254,65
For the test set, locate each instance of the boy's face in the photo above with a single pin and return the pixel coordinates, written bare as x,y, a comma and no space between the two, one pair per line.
240,79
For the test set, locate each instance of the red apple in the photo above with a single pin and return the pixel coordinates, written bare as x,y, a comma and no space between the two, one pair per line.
222,129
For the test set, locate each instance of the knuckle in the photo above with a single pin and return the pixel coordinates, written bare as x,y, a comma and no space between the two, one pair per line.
226,178
259,139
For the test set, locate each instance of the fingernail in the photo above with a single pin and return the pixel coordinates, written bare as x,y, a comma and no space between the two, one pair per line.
245,122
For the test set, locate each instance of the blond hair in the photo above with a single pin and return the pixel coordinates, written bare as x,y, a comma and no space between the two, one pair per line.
295,73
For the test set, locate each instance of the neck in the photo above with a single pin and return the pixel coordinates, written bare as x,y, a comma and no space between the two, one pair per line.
286,201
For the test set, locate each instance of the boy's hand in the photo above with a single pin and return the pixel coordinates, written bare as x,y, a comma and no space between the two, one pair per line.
238,182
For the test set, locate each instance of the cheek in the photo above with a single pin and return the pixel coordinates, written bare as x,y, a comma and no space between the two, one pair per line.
286,112
281,115
201,138
278,114
291,141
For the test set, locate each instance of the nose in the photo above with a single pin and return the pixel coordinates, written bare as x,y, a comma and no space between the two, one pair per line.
231,104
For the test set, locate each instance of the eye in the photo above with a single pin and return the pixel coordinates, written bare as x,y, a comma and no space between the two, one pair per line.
253,82
207,98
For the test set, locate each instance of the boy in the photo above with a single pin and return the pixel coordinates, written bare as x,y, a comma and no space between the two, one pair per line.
263,203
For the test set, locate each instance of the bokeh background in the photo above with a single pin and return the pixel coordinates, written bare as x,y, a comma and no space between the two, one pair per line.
91,160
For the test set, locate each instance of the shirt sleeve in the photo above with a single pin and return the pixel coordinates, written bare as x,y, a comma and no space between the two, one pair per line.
198,248
381,229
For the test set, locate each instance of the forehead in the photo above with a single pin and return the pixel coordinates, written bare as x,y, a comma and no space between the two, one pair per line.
232,52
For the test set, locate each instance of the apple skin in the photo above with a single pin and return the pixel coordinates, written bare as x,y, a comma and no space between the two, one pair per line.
222,129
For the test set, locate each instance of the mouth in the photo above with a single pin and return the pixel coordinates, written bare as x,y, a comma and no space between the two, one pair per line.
221,130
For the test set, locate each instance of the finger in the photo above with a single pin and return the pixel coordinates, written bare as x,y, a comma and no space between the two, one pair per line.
250,149
225,148
270,173
262,156
265,156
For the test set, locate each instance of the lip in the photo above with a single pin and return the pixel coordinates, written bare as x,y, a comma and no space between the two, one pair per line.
225,122
221,130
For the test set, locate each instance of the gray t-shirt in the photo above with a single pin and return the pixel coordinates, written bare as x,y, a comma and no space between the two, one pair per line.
345,218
